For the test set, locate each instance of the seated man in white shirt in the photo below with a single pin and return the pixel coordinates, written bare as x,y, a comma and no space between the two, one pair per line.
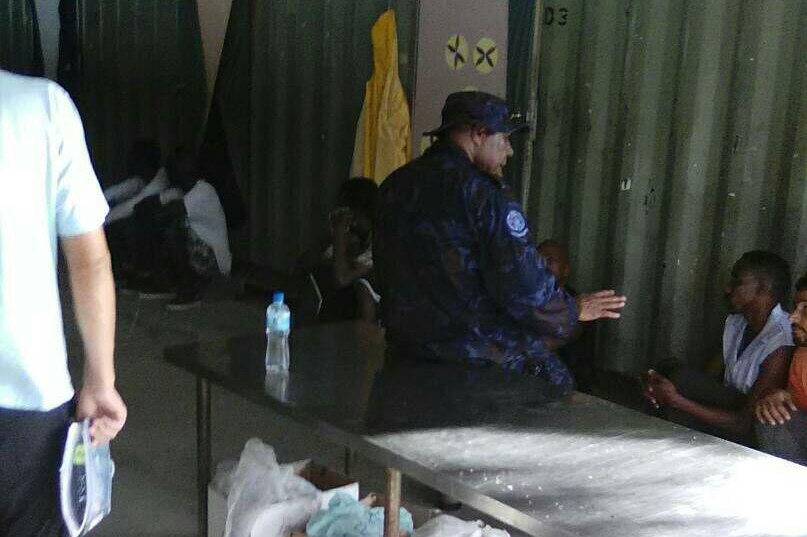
757,347
183,234
142,164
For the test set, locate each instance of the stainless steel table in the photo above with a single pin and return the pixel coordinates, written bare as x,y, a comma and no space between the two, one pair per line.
510,446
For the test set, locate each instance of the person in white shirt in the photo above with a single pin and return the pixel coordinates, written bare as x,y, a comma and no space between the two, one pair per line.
49,197
186,227
757,348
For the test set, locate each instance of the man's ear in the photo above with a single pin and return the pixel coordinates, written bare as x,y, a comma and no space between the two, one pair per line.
478,134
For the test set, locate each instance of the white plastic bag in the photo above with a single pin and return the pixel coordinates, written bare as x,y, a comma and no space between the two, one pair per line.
449,526
256,488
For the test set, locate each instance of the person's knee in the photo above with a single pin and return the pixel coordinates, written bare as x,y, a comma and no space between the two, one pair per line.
788,440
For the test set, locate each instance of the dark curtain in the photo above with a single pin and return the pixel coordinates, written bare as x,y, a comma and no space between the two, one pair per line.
20,49
224,153
135,70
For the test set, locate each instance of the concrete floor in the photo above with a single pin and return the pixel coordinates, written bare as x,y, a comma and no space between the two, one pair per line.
155,485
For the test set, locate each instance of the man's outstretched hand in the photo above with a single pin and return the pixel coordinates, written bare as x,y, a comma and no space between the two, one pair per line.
600,305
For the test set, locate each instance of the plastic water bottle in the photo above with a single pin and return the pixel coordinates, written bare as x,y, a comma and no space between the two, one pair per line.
278,326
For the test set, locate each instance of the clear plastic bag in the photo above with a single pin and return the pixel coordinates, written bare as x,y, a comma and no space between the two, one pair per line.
449,526
256,484
85,480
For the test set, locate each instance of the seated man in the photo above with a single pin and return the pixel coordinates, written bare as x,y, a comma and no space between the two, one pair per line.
572,350
182,237
342,269
757,344
782,414
142,164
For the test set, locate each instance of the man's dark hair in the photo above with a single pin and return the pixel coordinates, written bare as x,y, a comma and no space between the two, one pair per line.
144,155
769,267
801,284
360,195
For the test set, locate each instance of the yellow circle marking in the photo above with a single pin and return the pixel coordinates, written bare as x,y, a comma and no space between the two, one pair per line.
456,52
486,55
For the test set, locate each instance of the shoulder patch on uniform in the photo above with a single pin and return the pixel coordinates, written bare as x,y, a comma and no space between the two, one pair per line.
516,223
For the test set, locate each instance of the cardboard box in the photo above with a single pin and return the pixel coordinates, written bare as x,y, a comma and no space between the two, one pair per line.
325,479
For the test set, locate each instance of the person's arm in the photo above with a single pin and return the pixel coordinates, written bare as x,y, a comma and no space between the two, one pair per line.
367,302
124,190
93,292
80,209
126,208
518,277
772,374
345,270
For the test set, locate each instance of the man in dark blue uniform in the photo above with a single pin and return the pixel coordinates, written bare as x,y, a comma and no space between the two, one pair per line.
461,280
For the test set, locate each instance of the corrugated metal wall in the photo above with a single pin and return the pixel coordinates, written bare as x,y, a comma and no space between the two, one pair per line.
311,59
17,38
673,138
142,75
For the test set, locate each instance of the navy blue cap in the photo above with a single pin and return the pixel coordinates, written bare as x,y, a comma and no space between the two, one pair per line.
477,108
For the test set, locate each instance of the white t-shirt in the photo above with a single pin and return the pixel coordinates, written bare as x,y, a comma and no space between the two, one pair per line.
742,370
206,218
47,189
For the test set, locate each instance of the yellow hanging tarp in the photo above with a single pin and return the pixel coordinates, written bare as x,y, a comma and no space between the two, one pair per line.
383,132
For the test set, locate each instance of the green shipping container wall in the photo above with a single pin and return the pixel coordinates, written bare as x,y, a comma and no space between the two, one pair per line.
19,42
311,60
672,138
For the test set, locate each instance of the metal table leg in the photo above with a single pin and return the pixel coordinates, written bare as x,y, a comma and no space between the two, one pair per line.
202,449
392,503
349,457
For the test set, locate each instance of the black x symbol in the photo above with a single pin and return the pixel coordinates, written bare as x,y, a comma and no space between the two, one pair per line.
485,56
455,49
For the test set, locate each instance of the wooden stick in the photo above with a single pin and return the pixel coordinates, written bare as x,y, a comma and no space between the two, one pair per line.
392,503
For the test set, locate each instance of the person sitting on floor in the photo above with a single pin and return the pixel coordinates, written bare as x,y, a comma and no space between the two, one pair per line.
571,351
142,164
182,237
342,271
782,414
757,345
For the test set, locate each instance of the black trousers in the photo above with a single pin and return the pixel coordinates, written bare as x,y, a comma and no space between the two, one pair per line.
31,445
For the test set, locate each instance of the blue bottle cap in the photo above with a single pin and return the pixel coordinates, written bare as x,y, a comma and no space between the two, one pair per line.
278,297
